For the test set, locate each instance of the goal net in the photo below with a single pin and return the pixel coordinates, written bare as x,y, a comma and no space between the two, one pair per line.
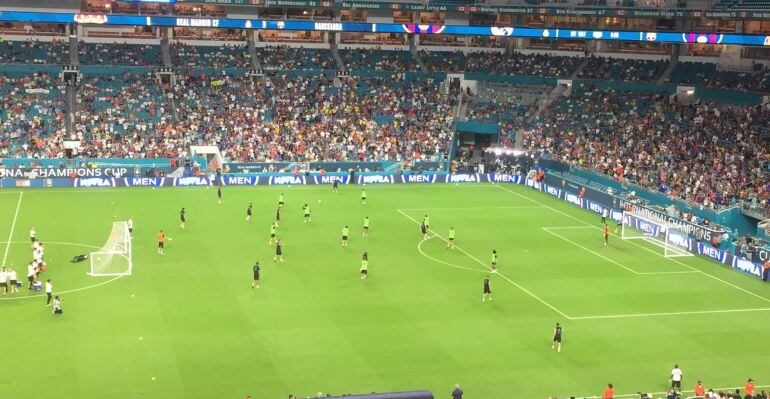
114,257
673,240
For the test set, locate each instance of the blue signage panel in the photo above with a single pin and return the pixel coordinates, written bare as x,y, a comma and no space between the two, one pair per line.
428,29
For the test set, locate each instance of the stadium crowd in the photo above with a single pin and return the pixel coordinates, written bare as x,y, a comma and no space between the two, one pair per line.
705,153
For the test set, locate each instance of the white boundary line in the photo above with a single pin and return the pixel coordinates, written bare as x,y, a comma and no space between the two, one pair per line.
621,316
497,273
640,246
419,248
13,227
60,292
611,260
473,207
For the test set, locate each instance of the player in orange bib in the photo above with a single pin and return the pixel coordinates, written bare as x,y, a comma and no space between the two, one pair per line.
606,234
161,241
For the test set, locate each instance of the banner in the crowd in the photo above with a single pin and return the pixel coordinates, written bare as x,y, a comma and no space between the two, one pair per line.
143,181
411,28
36,173
95,182
713,253
345,179
239,180
191,181
690,228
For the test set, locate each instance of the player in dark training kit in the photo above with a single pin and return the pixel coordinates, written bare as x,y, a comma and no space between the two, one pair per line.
278,251
487,291
277,216
219,194
556,338
182,218
255,282
424,230
248,212
334,185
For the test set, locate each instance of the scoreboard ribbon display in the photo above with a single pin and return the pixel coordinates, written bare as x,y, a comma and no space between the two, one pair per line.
420,29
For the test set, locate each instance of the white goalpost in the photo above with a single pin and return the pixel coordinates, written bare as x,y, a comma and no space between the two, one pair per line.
673,240
114,257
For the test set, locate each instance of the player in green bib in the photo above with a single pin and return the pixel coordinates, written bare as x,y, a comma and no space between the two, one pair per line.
280,201
273,229
494,260
363,196
426,222
306,208
364,265
366,226
345,232
450,243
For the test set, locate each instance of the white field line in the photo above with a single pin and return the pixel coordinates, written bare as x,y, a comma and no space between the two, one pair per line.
473,207
622,316
611,260
640,246
13,227
419,248
497,273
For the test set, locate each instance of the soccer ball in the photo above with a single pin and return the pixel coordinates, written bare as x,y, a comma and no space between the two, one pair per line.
319,201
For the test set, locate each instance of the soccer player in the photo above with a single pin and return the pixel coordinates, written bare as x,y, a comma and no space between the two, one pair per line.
255,270
161,241
749,387
248,212
494,260
31,273
426,221
450,243
48,292
57,305
606,234
182,218
676,378
130,226
487,291
424,230
280,201
556,338
306,208
364,265
32,235
278,251
273,228
366,226
219,194
363,195
277,216
609,392
4,281
345,232
605,213
334,185
13,278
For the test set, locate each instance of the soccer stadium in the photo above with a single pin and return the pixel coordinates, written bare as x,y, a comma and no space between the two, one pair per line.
385,199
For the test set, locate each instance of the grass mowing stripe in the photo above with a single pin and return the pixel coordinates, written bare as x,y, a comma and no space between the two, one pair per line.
13,227
497,273
640,246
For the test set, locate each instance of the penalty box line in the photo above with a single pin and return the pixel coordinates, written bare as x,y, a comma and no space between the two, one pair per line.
638,245
548,230
541,300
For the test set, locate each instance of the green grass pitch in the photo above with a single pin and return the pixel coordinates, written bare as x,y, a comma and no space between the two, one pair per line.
189,325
